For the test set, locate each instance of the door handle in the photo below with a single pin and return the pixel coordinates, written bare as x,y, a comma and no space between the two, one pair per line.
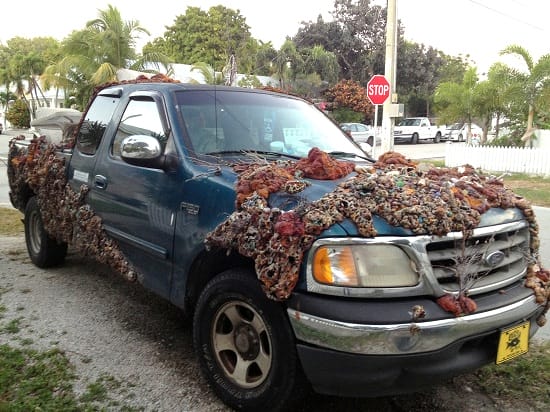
100,182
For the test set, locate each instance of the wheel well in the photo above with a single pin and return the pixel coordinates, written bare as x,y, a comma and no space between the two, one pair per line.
20,198
207,266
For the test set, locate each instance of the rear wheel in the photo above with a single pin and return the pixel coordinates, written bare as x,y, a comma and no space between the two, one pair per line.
43,250
437,137
370,140
414,138
460,137
245,344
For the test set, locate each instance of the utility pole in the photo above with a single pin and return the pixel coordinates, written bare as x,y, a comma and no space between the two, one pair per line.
390,73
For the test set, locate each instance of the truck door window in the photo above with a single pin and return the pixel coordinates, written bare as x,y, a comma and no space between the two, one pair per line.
141,117
95,122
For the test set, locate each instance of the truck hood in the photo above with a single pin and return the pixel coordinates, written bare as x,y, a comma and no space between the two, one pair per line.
316,189
280,213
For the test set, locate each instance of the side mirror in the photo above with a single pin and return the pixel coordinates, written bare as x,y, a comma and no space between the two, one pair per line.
142,150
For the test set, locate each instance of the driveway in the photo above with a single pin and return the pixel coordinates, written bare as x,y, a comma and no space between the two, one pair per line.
116,330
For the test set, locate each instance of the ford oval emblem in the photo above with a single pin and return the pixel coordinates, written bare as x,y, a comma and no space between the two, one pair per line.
494,258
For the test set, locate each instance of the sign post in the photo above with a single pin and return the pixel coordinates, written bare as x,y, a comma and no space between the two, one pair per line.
378,91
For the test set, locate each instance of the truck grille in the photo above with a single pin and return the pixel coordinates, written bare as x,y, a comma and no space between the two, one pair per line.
485,262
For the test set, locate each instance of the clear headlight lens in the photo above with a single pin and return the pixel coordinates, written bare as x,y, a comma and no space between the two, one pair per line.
365,266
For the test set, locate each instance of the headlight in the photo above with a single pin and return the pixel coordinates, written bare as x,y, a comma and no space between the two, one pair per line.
365,266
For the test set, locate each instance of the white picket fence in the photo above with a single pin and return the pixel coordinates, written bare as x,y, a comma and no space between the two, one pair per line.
534,161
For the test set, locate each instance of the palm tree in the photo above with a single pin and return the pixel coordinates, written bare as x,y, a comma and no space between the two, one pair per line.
208,73
533,83
459,101
94,55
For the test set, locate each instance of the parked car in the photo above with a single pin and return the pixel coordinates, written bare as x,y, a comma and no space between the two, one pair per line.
360,132
458,132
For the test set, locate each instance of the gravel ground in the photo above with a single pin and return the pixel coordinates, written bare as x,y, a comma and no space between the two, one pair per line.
109,327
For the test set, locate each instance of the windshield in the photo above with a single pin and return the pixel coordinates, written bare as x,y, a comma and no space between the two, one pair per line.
410,122
220,121
457,126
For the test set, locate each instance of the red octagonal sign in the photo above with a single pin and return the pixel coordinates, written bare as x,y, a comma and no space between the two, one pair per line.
378,89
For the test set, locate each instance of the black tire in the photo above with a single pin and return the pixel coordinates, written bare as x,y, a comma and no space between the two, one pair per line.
437,137
414,138
43,250
236,324
370,140
460,137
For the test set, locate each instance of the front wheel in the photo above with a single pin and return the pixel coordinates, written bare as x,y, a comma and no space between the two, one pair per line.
414,138
43,250
245,344
370,140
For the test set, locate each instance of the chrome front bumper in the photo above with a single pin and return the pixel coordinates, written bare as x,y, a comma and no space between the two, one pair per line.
406,338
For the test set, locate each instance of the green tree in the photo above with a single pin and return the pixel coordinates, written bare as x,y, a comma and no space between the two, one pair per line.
459,102
207,36
286,60
319,61
419,73
23,61
356,36
264,58
18,114
534,85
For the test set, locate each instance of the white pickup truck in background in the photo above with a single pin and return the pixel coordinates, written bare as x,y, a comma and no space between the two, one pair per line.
414,129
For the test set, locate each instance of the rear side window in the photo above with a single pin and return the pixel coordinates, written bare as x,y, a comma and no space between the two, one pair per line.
95,122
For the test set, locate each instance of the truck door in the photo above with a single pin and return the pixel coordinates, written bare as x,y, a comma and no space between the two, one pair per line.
138,204
425,129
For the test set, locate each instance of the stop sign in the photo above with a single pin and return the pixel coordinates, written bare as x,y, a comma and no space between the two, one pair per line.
378,89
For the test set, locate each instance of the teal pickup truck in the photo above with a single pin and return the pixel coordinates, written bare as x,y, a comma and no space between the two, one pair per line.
304,263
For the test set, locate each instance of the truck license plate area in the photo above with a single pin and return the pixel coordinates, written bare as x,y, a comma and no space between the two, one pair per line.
513,342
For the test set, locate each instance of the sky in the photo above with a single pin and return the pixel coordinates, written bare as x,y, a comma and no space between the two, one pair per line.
479,29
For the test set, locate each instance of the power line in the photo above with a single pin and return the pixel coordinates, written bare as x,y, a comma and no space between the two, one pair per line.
506,15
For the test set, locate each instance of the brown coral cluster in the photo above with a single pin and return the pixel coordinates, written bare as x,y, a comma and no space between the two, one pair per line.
65,215
425,201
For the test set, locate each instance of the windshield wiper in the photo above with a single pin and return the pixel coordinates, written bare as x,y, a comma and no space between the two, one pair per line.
259,152
349,154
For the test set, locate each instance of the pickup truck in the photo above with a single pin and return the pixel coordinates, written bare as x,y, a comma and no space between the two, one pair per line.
302,262
414,129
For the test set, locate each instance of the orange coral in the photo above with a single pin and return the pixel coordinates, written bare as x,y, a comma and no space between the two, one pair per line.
319,165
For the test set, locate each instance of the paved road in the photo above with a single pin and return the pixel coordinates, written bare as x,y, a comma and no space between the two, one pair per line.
423,150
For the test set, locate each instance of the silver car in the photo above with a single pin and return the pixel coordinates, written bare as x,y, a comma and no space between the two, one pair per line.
360,132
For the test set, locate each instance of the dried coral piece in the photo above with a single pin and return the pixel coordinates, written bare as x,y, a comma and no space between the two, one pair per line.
64,213
457,305
424,200
319,165
393,158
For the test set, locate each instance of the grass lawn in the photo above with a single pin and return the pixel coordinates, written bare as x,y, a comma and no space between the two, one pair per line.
534,188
